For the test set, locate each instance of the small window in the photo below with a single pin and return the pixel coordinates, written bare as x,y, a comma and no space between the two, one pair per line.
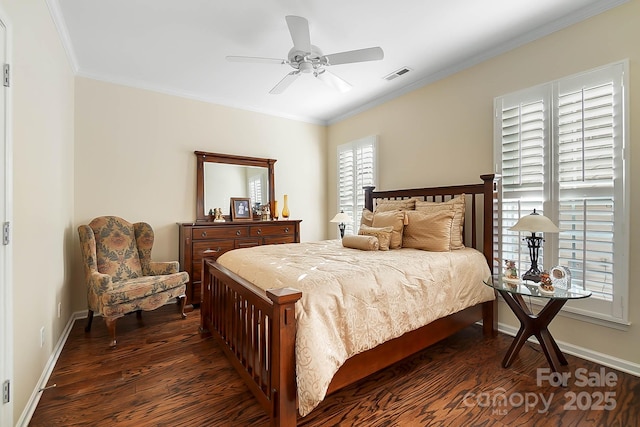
356,169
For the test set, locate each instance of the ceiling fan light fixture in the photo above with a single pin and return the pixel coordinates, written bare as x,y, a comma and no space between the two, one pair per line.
332,80
306,67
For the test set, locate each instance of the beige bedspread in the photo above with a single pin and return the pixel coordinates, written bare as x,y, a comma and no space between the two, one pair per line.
353,300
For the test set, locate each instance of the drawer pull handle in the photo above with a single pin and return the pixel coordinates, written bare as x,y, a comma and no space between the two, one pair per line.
212,251
204,234
238,233
259,231
286,230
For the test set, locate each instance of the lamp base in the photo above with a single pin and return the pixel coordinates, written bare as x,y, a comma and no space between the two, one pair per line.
533,243
342,227
532,274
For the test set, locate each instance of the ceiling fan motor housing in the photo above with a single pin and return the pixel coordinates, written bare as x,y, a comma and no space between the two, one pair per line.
306,62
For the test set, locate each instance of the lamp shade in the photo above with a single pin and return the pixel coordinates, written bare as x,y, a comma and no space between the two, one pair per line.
535,223
341,217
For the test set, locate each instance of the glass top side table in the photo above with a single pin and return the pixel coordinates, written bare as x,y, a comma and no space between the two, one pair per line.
512,291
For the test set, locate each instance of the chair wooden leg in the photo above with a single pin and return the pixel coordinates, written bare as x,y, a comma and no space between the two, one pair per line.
111,327
89,321
182,299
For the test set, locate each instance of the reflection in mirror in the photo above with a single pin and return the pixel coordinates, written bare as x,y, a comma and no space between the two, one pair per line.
223,181
219,177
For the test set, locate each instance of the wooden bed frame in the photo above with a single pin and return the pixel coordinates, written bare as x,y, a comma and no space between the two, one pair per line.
257,329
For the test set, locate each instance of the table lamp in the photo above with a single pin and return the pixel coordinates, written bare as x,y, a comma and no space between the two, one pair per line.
534,223
342,218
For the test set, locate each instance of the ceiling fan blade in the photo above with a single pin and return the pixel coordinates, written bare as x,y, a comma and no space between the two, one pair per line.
360,55
299,29
257,59
285,83
332,80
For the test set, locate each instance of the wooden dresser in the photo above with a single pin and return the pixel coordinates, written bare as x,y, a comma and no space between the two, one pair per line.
210,240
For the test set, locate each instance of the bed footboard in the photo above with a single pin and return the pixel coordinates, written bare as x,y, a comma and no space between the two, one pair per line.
257,333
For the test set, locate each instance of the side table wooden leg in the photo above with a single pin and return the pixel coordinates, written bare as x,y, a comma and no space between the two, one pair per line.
522,313
531,324
549,346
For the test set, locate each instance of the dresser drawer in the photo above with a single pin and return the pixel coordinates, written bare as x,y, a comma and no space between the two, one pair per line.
219,232
276,240
247,243
211,249
272,230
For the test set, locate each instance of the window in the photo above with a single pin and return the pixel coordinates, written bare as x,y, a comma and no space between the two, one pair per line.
255,190
560,148
356,169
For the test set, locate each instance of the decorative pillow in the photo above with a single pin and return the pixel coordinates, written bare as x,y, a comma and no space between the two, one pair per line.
365,243
394,219
394,205
382,234
367,218
458,204
429,231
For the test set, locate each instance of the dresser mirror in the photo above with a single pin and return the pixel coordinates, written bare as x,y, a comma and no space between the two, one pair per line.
219,177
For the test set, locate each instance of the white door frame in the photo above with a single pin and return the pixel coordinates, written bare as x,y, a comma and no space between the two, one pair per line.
6,198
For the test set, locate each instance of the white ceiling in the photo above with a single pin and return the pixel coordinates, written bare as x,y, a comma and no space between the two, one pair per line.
179,46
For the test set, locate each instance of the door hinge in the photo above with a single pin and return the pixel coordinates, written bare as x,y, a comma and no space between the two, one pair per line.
7,75
6,228
6,396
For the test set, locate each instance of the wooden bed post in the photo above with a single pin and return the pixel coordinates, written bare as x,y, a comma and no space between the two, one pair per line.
490,192
283,368
368,197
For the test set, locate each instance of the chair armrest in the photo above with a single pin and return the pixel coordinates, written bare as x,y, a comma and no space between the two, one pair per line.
100,282
162,268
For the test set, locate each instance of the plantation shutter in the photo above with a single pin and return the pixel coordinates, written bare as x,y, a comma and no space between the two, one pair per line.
523,133
586,186
255,190
356,169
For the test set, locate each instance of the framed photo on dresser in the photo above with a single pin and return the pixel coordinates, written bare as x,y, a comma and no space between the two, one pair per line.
241,209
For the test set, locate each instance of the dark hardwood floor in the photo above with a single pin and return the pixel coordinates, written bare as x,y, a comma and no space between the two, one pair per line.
163,373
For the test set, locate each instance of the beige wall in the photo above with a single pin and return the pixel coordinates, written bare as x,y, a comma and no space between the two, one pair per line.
134,158
42,91
443,133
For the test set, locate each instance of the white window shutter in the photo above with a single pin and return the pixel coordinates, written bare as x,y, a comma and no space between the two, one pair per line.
356,169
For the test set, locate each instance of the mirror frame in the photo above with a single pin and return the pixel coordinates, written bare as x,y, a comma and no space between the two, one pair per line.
230,159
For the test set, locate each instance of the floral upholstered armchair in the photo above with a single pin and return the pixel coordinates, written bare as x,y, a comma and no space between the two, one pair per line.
120,276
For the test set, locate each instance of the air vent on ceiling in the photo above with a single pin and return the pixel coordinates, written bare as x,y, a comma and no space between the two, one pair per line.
397,73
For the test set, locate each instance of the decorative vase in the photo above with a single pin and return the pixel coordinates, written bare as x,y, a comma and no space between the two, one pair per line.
285,208
275,214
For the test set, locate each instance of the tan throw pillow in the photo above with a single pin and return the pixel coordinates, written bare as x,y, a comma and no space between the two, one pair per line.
429,231
365,243
382,234
458,204
394,205
393,219
367,218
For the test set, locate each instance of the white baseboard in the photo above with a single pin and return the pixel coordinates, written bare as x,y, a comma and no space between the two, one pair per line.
30,408
584,353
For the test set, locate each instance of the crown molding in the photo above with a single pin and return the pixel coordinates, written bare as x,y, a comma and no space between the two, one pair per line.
58,20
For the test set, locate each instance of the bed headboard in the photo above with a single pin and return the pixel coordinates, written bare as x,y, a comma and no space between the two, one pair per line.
481,208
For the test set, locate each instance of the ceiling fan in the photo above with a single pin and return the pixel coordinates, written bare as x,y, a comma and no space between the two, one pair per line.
307,58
